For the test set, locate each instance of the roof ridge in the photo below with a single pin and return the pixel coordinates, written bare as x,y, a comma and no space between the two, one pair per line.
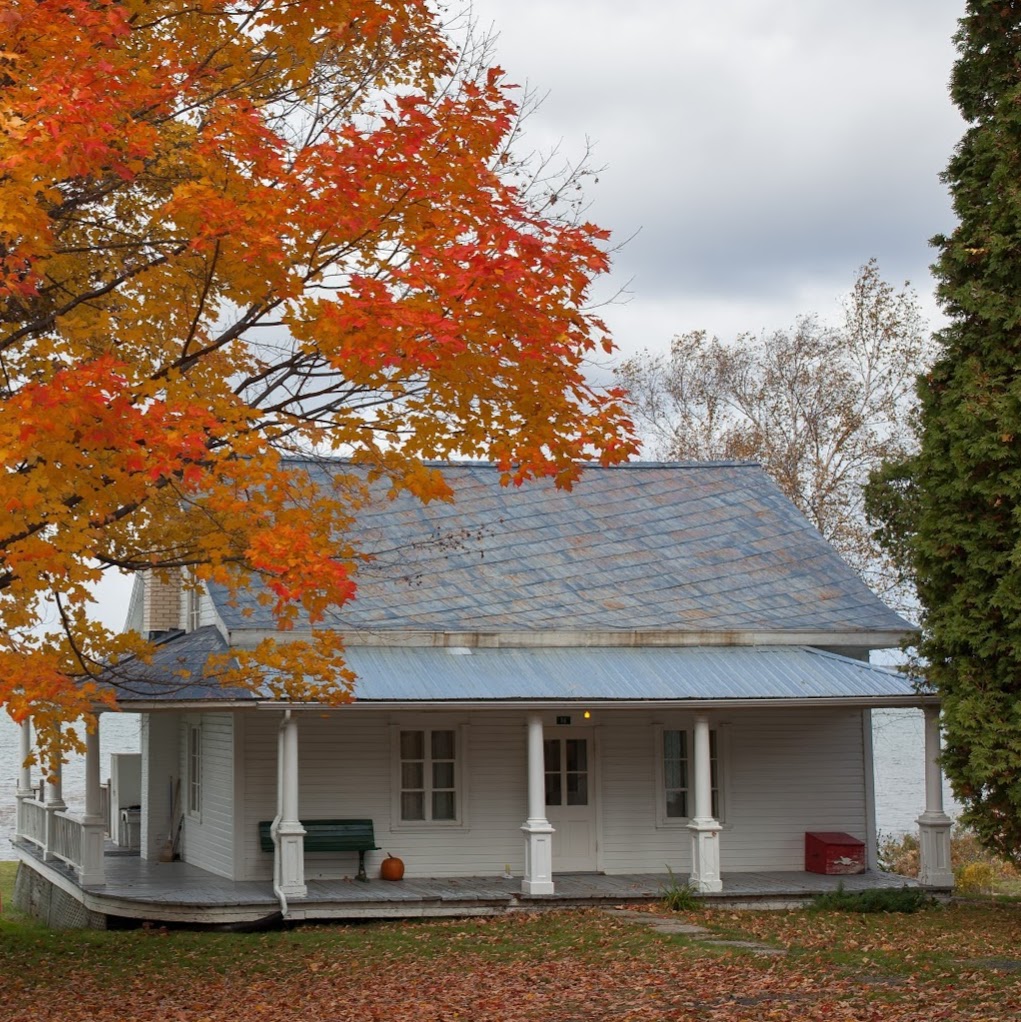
478,463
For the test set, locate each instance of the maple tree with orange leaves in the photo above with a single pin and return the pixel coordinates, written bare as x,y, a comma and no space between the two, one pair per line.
234,231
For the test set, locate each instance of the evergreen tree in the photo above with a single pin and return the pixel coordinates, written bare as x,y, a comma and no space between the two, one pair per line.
959,500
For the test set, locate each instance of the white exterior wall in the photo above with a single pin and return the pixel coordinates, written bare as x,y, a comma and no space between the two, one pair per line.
208,837
345,772
784,772
160,771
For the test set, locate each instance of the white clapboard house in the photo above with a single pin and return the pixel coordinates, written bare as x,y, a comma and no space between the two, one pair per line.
665,667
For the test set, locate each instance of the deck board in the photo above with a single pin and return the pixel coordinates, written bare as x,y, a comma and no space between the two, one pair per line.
177,891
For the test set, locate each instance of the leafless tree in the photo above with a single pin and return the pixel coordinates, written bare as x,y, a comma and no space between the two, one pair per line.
818,406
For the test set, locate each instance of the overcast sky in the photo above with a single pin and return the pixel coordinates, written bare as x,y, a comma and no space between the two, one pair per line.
762,149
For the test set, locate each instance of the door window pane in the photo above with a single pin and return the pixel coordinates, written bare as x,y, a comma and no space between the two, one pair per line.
554,781
577,789
577,754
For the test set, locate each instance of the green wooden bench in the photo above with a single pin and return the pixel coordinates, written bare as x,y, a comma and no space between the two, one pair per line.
331,836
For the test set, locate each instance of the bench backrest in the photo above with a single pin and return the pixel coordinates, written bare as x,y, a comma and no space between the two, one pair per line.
328,836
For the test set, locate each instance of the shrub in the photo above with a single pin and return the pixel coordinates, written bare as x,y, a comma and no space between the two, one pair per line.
899,854
890,899
976,870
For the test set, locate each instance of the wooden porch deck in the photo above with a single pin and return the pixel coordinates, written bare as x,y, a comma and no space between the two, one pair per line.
176,892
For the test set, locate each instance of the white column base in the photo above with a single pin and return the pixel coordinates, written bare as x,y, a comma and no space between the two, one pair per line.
538,878
934,868
93,869
705,856
291,852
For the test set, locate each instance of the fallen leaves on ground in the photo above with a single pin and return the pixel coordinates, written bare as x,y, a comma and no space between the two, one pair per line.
560,966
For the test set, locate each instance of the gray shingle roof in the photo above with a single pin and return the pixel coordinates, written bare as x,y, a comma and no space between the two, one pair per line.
175,673
683,547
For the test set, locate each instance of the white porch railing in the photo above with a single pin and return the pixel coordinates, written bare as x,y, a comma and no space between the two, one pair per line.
56,831
67,838
31,822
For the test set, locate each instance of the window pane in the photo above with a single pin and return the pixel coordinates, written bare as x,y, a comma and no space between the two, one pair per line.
577,789
551,753
412,745
443,805
443,745
412,775
443,775
673,773
412,805
676,804
553,793
675,745
577,754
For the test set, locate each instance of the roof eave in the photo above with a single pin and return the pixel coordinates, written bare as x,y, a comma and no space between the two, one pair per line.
248,638
913,701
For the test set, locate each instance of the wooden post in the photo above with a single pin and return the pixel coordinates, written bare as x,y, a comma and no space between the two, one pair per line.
705,842
25,789
538,878
934,866
92,867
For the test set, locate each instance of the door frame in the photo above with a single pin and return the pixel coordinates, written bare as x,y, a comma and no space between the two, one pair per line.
591,733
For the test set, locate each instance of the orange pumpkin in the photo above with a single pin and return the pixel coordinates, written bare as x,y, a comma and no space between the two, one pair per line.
391,868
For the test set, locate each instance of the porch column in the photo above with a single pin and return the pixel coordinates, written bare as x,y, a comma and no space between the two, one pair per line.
705,842
290,851
934,868
92,869
54,799
538,878
24,789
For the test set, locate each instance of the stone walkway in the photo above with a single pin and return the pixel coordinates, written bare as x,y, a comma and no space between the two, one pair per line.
671,926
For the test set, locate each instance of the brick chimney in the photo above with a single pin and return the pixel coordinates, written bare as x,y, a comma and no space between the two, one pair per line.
161,607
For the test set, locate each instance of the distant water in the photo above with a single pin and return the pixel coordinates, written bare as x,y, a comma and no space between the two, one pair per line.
898,737
118,733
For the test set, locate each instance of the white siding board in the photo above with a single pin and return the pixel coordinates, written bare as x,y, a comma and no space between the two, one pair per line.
784,771
208,839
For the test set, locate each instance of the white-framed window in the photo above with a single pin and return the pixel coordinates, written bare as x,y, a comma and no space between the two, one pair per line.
193,791
193,604
429,779
675,763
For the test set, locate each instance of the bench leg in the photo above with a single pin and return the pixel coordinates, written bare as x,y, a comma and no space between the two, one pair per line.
361,868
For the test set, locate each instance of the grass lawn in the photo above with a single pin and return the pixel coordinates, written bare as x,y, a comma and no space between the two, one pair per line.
958,963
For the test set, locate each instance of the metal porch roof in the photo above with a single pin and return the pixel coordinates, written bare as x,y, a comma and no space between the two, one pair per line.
429,674
692,673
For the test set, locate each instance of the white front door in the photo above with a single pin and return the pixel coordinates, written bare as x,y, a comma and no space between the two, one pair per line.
570,797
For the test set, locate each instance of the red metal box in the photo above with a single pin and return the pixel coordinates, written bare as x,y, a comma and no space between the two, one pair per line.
833,853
